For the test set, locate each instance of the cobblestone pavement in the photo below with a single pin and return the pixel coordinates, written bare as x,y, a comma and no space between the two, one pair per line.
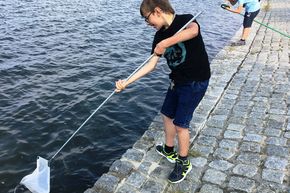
240,132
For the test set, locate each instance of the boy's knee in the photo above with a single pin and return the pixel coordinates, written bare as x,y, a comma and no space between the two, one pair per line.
181,129
166,117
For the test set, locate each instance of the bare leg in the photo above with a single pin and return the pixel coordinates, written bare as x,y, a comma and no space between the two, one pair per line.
183,140
170,131
246,32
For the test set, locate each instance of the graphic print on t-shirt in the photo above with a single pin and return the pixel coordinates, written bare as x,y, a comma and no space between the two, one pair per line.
175,55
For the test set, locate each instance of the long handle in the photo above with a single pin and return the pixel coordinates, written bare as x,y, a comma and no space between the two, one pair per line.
115,91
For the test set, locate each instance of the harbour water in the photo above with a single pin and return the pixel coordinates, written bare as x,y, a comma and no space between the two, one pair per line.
58,62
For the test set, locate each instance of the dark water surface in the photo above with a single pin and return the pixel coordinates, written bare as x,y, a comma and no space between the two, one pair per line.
59,60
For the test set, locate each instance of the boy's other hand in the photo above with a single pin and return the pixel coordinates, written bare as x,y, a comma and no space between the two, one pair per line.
120,85
160,48
225,6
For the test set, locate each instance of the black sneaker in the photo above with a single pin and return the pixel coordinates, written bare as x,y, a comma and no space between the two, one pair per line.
181,169
239,43
171,157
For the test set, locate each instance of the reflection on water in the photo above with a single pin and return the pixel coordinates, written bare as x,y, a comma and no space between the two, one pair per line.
58,61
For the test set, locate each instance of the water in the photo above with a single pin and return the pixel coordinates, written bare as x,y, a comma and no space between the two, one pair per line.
59,60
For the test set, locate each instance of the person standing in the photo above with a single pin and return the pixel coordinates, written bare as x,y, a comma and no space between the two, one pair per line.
252,8
189,78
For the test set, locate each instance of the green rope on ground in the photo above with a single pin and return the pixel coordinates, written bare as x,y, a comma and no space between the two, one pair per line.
224,6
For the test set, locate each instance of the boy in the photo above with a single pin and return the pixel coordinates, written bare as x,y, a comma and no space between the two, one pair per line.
190,72
252,8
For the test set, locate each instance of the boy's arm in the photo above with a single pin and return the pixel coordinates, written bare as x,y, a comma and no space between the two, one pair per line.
238,10
150,66
188,33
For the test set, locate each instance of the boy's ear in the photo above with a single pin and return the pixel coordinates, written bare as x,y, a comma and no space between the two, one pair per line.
157,10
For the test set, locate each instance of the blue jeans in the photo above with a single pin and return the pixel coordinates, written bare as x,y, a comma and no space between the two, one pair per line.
181,100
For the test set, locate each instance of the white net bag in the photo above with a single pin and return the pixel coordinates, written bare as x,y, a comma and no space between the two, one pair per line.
39,180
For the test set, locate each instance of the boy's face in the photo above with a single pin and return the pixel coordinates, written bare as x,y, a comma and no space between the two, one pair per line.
153,19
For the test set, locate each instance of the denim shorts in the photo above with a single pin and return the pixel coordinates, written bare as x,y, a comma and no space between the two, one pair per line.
249,18
181,101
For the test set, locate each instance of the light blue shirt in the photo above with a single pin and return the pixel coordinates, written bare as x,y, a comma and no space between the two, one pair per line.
251,5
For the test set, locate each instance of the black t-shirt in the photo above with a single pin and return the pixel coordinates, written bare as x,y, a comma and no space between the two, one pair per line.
187,60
